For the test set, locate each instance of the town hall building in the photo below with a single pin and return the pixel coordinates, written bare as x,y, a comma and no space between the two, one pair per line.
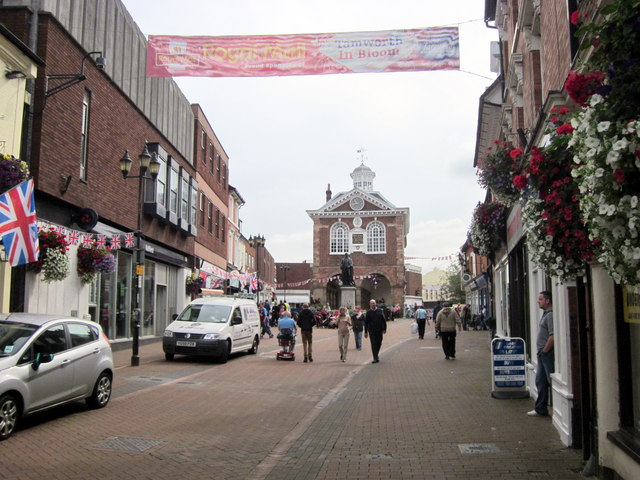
373,231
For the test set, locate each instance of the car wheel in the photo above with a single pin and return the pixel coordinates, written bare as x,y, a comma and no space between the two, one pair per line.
225,355
254,348
101,392
9,413
168,356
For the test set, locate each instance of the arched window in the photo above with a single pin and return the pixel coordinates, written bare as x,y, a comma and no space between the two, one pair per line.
339,238
376,238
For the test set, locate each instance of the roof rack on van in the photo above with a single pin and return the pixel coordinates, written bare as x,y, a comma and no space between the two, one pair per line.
244,295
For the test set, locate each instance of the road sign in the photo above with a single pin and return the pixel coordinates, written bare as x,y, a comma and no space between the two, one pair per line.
508,368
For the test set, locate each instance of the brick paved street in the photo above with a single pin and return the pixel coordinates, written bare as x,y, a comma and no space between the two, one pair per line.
408,417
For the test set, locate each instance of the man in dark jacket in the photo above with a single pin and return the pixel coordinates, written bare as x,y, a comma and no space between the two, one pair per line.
306,322
375,327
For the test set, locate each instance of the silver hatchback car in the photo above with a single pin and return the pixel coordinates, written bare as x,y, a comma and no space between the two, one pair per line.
48,360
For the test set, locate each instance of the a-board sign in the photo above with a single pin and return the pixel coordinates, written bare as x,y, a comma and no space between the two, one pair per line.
508,368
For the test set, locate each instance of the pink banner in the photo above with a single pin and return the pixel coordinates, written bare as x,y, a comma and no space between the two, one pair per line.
308,54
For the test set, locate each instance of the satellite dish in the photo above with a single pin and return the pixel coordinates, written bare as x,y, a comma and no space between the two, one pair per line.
86,219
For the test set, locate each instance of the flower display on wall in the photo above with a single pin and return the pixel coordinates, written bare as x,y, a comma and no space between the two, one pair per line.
53,262
606,140
13,171
92,261
487,227
497,171
556,232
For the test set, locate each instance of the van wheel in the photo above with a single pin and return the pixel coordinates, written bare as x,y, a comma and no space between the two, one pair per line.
254,348
9,413
225,355
168,356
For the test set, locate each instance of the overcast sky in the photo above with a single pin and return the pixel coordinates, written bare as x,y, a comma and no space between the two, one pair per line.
288,137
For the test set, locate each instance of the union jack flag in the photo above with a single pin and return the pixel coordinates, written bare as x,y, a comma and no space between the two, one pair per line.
254,283
129,240
115,242
74,237
101,242
87,241
18,224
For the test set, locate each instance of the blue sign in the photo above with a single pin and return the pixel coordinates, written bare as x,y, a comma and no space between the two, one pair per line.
508,363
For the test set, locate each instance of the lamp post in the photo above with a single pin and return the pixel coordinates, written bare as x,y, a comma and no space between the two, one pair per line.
258,242
285,269
148,163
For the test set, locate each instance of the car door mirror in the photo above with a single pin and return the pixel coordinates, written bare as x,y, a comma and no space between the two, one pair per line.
41,358
174,316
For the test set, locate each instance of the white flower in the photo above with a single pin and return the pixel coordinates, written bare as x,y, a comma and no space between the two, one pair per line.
621,144
603,126
592,142
599,172
595,99
634,201
612,157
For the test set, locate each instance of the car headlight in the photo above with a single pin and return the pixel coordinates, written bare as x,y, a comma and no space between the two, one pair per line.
168,333
210,336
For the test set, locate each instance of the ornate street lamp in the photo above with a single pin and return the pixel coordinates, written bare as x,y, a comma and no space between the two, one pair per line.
285,269
148,163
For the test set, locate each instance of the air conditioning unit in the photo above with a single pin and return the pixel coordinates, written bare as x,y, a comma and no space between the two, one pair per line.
465,277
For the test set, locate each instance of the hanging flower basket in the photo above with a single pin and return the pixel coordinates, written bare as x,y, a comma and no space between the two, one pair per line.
53,261
606,139
498,169
92,261
488,227
556,231
13,171
194,284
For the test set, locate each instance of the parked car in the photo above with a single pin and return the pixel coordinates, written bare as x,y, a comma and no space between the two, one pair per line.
48,360
214,327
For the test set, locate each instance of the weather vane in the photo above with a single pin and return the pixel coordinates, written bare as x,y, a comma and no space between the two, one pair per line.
361,154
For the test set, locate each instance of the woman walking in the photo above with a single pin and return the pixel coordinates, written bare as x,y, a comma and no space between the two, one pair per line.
343,322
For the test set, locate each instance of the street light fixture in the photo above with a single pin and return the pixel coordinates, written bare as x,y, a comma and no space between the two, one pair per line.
285,269
148,163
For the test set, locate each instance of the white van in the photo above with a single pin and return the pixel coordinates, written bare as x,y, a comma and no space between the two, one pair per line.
214,327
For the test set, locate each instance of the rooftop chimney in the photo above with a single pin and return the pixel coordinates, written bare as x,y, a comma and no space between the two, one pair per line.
328,192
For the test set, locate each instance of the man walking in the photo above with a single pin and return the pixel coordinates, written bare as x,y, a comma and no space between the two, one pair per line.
375,327
546,359
421,319
306,322
436,310
446,323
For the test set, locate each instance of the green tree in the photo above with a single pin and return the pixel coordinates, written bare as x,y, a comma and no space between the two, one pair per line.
452,284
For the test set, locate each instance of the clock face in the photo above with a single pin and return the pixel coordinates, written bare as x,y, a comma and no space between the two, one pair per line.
356,203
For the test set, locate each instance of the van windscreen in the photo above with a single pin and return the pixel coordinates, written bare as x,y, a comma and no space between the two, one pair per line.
205,313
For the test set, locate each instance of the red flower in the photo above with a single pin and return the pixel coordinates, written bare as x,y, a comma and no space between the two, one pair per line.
618,175
515,153
520,181
564,129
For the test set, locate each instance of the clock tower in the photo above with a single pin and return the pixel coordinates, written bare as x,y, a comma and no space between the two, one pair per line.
373,231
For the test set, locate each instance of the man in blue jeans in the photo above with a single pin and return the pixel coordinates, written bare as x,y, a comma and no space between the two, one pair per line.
546,360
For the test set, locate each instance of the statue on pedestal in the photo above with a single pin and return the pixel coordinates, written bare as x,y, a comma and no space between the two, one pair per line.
346,265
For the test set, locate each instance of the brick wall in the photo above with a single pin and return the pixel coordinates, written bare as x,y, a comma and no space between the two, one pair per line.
116,124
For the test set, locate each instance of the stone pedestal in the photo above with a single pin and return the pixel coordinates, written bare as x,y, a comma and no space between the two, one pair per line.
347,297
